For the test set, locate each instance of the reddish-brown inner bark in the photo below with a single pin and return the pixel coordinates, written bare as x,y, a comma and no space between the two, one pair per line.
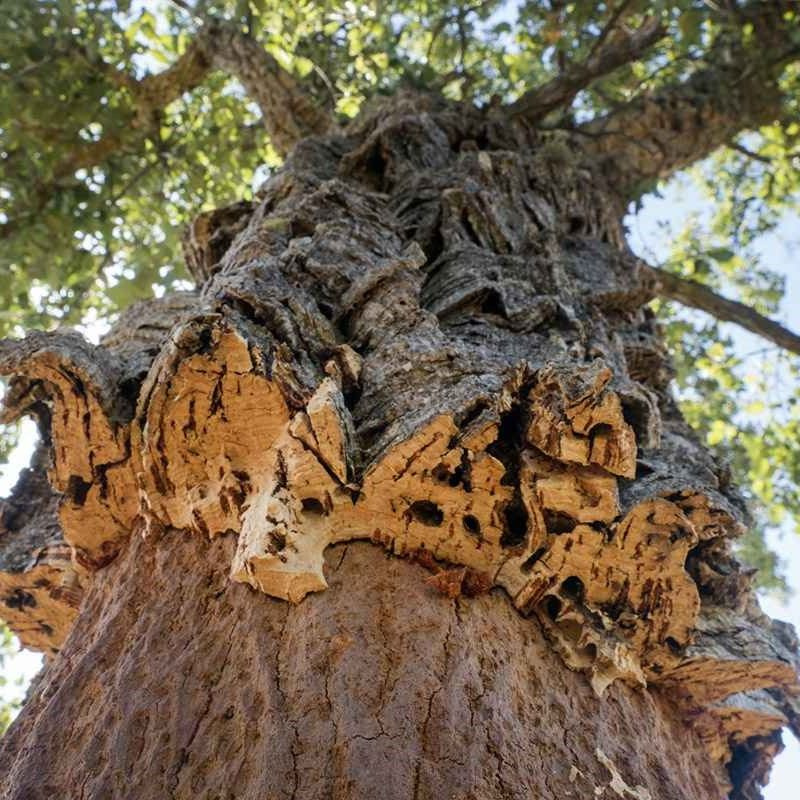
184,684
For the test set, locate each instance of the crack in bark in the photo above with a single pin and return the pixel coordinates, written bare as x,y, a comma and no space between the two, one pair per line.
426,722
286,705
186,750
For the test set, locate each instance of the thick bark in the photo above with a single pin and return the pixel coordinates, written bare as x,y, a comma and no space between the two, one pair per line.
426,332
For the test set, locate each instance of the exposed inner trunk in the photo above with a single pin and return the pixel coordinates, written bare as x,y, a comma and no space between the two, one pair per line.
377,688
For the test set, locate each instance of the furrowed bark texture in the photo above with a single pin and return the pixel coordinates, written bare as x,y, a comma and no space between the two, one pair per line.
426,333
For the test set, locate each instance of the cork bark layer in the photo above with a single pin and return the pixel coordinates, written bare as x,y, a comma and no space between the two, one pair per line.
425,333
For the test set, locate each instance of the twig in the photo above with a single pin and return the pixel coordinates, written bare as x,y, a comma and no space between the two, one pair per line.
749,153
610,25
183,6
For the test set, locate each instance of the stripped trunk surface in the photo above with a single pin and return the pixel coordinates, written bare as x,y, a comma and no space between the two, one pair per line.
426,333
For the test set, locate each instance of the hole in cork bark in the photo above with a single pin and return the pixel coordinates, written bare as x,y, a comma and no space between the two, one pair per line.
433,244
427,513
300,227
352,395
589,652
461,477
515,527
443,475
277,542
527,565
77,489
471,525
129,388
679,533
455,478
506,447
326,309
573,587
313,506
204,341
375,167
576,224
493,303
637,414
20,599
673,644
552,606
601,428
558,522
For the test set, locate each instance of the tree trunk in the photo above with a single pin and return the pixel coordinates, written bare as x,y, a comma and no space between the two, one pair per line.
427,334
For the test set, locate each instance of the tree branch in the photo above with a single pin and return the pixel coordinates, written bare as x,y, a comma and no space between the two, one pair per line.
287,112
615,47
695,295
749,153
183,6
661,132
611,25
157,91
